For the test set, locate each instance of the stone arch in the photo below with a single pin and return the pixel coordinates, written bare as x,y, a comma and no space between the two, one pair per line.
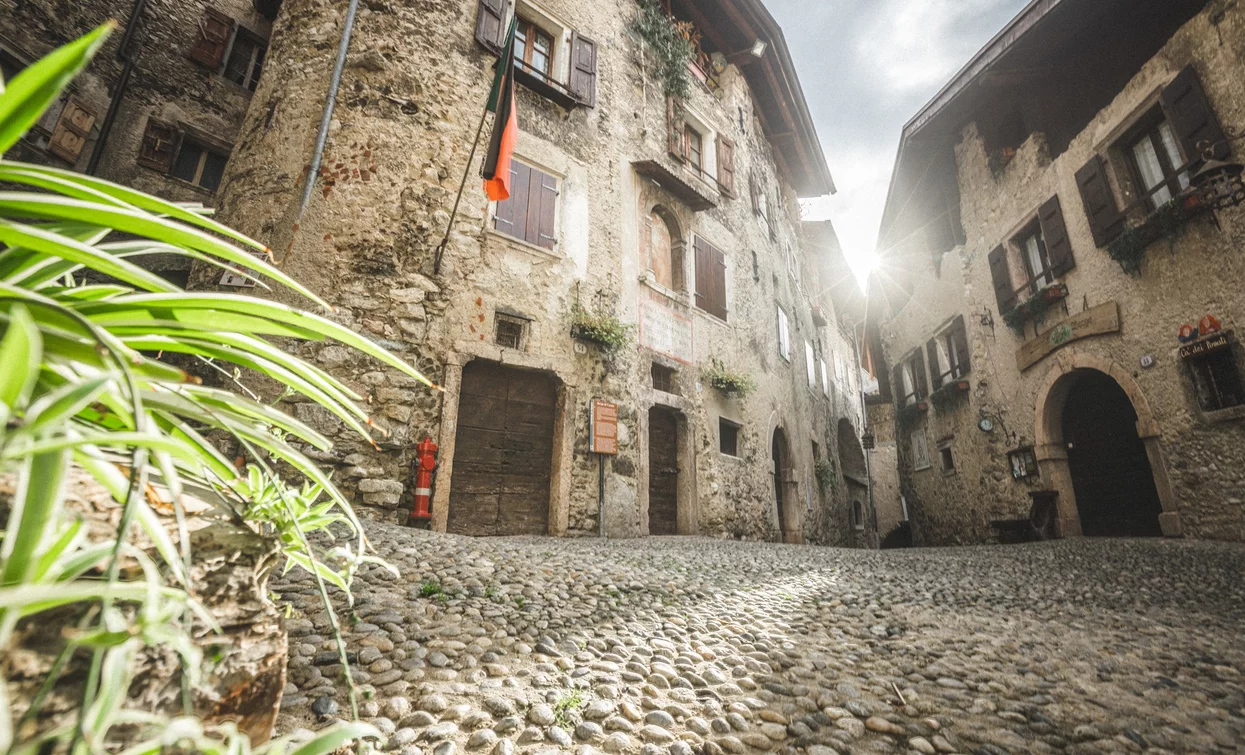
787,508
1052,451
855,470
666,247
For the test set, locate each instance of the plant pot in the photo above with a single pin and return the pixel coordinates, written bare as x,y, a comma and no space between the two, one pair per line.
1057,292
962,385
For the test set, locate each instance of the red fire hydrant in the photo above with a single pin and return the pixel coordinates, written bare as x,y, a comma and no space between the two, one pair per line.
425,463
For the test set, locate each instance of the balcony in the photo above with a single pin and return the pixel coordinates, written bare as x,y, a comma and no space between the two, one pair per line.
688,186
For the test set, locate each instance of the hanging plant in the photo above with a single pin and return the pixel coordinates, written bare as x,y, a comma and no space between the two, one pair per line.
999,160
1168,221
670,42
826,476
1034,308
726,382
909,415
948,396
601,328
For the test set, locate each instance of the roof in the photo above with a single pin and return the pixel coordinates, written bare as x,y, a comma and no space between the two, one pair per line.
1061,61
733,26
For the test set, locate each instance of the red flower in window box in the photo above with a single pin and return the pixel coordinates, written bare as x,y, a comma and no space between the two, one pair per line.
962,385
922,406
1056,292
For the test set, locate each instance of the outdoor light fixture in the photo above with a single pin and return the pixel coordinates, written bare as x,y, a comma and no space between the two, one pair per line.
1220,184
758,48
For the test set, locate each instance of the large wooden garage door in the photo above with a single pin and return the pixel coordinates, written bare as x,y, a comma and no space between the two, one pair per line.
502,452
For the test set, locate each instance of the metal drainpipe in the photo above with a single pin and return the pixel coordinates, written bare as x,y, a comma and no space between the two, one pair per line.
864,418
123,53
313,169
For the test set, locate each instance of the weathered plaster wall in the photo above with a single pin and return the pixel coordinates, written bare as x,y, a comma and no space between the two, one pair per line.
1197,273
409,105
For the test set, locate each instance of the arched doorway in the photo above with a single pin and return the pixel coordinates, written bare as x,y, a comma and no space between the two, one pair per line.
663,471
1111,474
778,452
856,478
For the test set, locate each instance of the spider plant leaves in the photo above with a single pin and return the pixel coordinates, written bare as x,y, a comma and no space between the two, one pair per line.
330,739
40,486
32,91
20,352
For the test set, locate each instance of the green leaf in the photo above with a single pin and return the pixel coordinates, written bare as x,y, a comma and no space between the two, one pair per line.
65,402
20,353
55,245
32,91
330,739
35,504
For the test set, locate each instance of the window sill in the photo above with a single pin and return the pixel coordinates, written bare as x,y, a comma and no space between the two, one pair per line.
925,468
551,91
706,315
678,297
1231,414
731,457
523,246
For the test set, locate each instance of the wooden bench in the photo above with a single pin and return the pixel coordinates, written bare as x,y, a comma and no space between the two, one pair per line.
1041,524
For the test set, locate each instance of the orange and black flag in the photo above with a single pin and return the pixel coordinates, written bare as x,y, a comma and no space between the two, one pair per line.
505,123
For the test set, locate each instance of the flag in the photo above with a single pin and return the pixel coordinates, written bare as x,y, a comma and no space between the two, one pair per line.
505,123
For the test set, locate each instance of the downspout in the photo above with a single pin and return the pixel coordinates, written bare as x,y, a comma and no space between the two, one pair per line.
864,418
123,54
317,155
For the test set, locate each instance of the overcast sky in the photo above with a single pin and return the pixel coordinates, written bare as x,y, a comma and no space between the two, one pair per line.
867,66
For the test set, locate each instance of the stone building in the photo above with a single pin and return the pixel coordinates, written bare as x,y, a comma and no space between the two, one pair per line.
160,106
676,219
1056,303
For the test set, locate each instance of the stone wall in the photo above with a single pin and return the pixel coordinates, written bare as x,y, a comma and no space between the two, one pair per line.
409,105
1197,456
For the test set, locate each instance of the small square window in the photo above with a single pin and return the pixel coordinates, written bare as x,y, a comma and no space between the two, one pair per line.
728,437
246,60
663,379
947,458
510,332
198,164
1216,379
1023,463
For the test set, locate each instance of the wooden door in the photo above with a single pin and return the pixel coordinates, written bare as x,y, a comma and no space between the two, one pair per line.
663,472
1111,475
503,451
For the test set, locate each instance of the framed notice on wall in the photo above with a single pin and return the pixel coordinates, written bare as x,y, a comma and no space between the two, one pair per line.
604,427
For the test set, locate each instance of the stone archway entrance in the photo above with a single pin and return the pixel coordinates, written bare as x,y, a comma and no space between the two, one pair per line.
1098,446
1111,475
785,494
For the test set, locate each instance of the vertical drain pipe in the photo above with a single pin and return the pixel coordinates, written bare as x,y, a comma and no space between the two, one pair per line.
313,169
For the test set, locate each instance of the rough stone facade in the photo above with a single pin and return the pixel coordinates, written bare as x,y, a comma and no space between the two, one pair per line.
1195,455
203,108
408,109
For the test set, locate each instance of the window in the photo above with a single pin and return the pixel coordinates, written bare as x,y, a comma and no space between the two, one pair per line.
825,379
948,354
793,266
710,278
246,60
1023,463
810,364
946,457
920,452
665,249
784,336
1033,259
728,437
663,378
695,149
509,332
533,47
1154,158
910,380
1216,379
858,516
198,164
530,213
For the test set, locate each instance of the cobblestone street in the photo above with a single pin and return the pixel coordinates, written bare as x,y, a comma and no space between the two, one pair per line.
677,646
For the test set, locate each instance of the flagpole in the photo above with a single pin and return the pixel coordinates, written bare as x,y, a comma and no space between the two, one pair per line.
436,262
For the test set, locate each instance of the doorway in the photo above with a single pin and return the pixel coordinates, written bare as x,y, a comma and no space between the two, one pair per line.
1111,475
663,471
503,451
780,456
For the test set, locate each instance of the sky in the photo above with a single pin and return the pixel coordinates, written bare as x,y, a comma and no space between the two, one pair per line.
867,67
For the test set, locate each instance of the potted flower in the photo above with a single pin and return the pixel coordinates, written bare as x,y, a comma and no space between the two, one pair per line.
722,380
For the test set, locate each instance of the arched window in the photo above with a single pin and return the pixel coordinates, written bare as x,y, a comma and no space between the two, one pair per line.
665,248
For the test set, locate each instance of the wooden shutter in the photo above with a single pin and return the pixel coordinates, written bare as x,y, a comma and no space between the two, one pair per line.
1192,118
935,371
675,143
159,145
1055,234
544,187
71,130
520,199
1105,219
897,384
918,372
726,165
504,217
755,188
1002,277
710,279
489,30
772,218
583,82
214,30
959,334
702,263
718,287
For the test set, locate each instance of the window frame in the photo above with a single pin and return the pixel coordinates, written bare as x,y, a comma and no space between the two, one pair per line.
1148,128
825,378
734,427
206,148
527,26
667,379
960,366
1032,230
810,356
946,458
559,183
1202,372
911,368
694,147
259,57
784,334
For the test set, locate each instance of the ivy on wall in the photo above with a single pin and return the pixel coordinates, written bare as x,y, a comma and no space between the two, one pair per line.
669,40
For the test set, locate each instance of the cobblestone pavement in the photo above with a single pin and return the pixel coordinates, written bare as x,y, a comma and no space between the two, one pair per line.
679,646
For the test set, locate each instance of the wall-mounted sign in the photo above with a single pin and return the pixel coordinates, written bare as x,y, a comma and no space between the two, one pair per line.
604,427
1147,361
666,332
1105,318
235,279
1220,341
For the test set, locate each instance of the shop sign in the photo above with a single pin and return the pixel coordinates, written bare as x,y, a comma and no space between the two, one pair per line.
1221,341
1105,318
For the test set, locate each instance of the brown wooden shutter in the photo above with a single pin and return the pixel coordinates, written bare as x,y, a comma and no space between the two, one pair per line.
918,370
726,165
702,260
675,143
897,389
214,31
717,304
1105,219
583,82
1055,234
755,187
1192,118
546,235
960,335
520,197
935,371
1002,277
772,219
71,130
489,30
159,145
504,217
